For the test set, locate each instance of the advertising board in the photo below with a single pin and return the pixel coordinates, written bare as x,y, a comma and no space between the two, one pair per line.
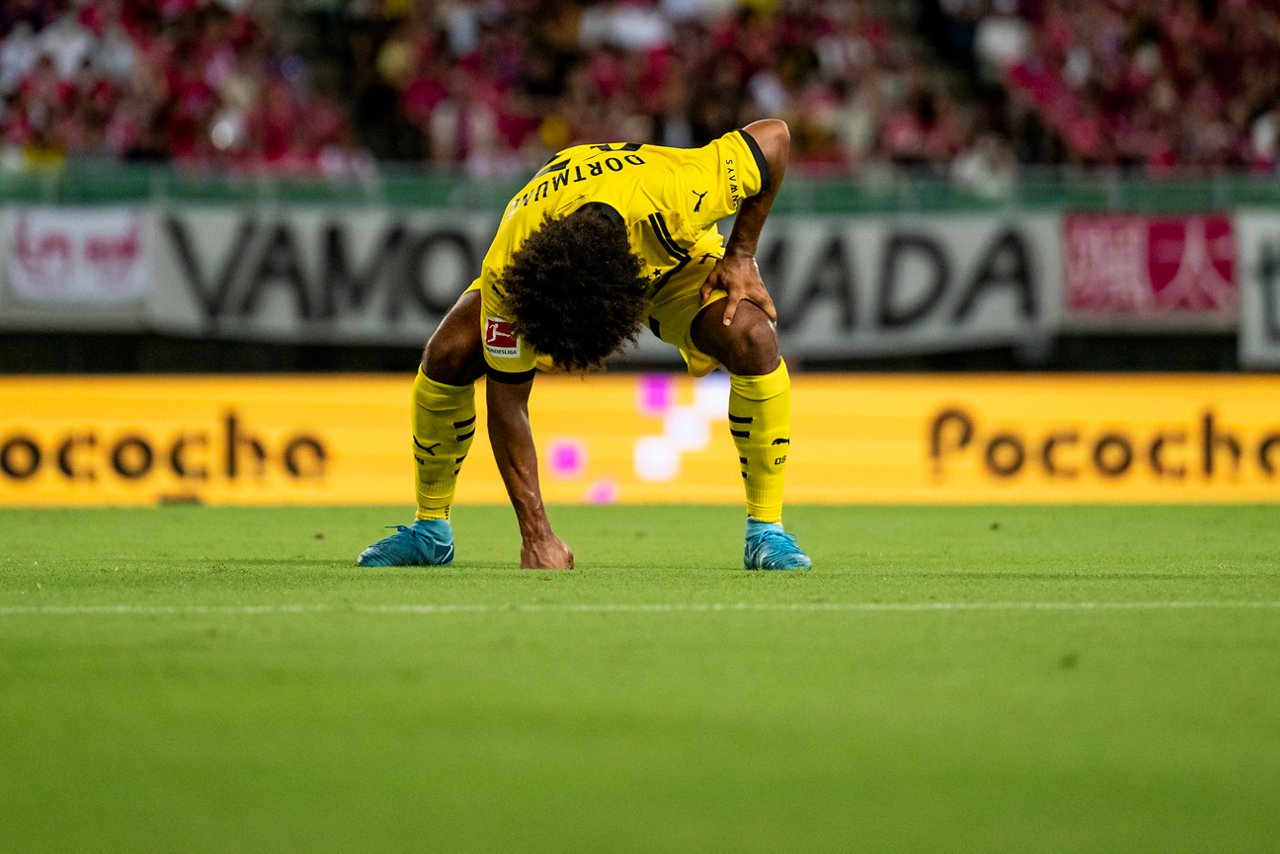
1260,303
88,256
844,287
648,438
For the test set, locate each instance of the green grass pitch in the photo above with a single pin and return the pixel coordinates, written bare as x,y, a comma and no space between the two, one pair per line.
977,678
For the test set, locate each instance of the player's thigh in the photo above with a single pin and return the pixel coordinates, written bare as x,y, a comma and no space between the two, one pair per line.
674,310
455,353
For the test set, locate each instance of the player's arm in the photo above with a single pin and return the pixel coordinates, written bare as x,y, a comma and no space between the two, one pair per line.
737,273
512,440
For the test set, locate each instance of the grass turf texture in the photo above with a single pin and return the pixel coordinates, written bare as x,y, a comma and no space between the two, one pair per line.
547,719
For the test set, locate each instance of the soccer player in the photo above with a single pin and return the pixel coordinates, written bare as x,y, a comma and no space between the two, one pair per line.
603,240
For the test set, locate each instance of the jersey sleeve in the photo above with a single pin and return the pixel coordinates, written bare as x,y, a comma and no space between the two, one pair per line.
711,182
507,357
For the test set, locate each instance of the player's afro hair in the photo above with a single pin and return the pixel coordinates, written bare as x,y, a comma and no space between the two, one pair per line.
575,289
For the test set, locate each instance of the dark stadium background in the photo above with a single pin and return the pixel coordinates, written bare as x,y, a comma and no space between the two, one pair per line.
895,107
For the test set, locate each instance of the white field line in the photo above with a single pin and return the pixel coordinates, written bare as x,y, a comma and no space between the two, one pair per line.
624,608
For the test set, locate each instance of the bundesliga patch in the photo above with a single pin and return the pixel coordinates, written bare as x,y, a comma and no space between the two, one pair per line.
500,339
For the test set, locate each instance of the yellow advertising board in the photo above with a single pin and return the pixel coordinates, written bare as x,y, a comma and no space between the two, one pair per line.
648,438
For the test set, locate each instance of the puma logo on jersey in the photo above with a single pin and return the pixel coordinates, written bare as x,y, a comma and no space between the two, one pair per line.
700,196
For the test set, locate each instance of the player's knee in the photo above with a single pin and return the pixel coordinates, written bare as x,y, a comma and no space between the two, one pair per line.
751,347
455,353
449,358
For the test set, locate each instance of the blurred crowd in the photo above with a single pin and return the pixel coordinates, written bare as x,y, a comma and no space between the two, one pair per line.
332,87
197,83
496,86
1152,84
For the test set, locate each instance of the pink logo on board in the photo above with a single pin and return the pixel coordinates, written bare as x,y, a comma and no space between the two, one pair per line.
1139,266
78,254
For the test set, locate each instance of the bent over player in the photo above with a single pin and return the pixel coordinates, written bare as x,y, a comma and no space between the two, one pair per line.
602,240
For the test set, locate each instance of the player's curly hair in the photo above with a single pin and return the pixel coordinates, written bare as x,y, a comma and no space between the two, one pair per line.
575,289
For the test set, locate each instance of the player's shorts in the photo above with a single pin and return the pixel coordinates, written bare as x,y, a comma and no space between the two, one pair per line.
677,303
673,308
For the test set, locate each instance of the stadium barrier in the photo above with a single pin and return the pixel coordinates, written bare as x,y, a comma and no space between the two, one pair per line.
847,285
647,438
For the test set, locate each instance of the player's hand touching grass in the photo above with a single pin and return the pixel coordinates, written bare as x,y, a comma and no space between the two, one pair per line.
547,552
513,451
739,277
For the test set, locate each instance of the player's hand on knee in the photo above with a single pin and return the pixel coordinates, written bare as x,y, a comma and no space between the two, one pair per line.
739,277
549,552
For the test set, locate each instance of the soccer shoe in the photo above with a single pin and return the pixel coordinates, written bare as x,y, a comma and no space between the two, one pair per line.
427,542
770,547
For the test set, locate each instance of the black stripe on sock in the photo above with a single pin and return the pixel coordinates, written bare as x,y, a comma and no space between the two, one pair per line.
741,434
459,459
466,435
469,421
741,419
742,460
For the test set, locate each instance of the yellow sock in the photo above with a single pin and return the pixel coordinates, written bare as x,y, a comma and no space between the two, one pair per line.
760,421
444,423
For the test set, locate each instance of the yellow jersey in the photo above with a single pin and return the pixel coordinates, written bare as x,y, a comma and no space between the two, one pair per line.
670,200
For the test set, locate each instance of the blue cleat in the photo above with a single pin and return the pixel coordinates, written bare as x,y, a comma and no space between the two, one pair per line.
427,542
770,547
